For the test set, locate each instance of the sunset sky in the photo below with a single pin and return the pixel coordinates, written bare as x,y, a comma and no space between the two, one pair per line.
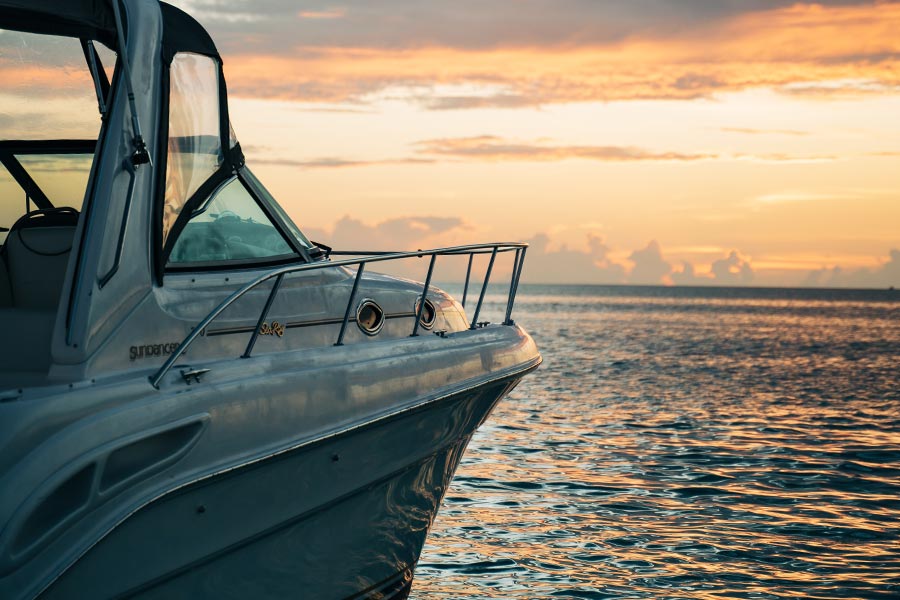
648,141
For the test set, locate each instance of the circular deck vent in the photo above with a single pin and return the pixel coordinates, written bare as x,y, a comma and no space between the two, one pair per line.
428,314
369,317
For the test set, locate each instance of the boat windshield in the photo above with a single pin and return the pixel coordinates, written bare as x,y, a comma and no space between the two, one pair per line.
215,213
51,99
49,122
39,175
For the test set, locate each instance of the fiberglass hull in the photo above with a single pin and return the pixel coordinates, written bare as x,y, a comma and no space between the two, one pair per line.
199,501
302,524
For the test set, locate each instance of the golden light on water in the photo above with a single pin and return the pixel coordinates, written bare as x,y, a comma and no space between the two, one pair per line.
686,444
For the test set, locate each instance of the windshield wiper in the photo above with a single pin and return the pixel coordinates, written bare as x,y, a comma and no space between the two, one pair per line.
320,250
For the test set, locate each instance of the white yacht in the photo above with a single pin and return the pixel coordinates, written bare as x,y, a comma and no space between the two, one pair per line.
195,400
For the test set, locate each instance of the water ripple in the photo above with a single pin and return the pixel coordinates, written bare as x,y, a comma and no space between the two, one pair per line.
685,444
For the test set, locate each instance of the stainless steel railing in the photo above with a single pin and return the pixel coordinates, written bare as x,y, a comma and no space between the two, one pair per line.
365,258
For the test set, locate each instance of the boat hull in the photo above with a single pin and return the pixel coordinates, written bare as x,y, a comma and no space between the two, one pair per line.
302,523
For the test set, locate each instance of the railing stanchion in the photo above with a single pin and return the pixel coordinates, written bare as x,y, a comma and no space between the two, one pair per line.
487,278
262,316
514,285
424,295
279,273
468,274
512,282
359,272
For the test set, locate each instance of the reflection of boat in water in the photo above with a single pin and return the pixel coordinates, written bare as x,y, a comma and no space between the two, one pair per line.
195,401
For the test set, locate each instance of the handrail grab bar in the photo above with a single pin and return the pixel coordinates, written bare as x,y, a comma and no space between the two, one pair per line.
198,330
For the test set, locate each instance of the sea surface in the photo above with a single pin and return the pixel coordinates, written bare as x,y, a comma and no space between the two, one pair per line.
684,443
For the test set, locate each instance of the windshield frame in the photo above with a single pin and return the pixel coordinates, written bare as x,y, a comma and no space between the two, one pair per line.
299,251
232,166
10,150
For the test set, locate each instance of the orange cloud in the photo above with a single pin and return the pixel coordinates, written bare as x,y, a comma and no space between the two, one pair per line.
806,49
751,131
338,163
489,148
492,148
337,13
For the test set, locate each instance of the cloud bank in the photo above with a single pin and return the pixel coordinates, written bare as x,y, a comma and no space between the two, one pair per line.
550,262
537,52
546,262
885,275
473,24
490,148
493,148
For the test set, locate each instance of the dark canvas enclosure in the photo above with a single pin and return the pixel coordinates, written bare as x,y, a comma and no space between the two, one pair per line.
88,19
95,20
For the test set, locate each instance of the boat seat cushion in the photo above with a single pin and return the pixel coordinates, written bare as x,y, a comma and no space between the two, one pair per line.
37,258
26,339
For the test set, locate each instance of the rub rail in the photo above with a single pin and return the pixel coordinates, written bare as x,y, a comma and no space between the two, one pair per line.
365,258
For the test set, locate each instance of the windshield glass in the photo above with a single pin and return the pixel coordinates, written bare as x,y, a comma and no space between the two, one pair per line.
47,94
62,177
47,90
229,226
195,149
13,202
275,206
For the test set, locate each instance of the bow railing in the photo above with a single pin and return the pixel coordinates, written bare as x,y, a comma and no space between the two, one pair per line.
364,258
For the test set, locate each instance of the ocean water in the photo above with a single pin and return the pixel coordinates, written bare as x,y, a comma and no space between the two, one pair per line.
684,443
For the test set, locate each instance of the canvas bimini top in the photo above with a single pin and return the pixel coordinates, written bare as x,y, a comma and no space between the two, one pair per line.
87,19
96,20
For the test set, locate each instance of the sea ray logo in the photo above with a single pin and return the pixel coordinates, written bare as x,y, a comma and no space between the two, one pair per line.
275,328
